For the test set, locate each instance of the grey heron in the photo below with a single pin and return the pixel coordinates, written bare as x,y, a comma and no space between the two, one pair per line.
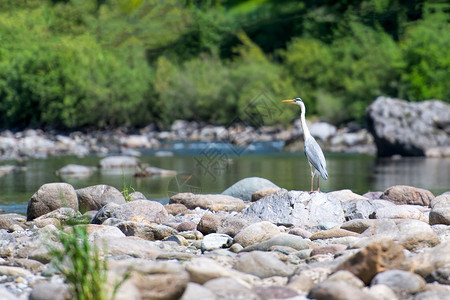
313,151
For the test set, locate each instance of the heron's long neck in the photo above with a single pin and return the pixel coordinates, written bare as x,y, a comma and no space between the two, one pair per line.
306,132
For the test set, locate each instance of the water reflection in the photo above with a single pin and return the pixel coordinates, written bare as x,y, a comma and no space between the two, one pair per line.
360,173
428,173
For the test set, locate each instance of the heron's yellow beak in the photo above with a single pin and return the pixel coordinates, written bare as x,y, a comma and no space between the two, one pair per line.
288,100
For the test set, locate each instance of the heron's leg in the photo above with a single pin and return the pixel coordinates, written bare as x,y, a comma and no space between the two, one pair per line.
312,178
318,188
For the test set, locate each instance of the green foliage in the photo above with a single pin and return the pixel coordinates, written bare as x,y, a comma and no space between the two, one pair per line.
426,74
79,63
127,190
81,265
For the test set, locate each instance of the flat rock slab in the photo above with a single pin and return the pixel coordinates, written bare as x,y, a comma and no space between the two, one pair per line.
300,209
214,202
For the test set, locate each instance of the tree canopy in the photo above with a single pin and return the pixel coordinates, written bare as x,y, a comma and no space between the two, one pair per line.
81,63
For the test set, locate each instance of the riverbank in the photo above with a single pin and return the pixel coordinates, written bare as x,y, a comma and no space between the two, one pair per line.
254,241
34,143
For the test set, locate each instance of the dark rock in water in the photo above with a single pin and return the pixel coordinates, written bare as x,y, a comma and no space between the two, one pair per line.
96,196
243,189
51,196
119,162
409,128
147,171
75,171
403,194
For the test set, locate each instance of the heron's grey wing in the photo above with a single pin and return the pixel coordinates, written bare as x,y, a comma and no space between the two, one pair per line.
315,156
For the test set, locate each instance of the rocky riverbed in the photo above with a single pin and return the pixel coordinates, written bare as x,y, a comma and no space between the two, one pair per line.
395,127
254,241
39,144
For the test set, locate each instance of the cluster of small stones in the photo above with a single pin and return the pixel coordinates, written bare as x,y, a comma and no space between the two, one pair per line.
39,144
254,241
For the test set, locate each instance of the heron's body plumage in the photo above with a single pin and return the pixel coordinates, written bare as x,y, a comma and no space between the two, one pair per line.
313,151
315,156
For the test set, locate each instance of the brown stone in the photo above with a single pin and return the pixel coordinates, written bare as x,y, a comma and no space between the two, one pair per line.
300,232
4,223
214,202
186,226
262,193
403,194
358,225
175,208
140,219
334,232
378,256
209,223
328,249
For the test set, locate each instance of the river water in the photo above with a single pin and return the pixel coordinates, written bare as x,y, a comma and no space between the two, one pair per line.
204,169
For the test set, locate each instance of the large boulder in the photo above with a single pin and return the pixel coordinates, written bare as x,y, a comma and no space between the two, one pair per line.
96,196
244,188
304,209
49,197
409,129
404,194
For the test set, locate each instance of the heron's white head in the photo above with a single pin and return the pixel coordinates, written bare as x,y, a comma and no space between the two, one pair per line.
297,101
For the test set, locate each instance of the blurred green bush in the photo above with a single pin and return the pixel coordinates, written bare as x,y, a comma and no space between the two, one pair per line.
72,64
